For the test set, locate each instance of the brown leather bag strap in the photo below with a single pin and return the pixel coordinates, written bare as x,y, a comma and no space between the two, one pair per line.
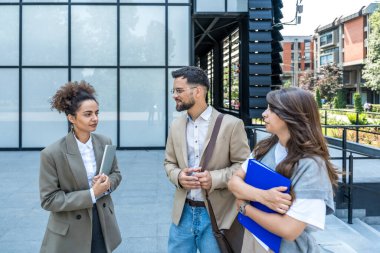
208,153
211,145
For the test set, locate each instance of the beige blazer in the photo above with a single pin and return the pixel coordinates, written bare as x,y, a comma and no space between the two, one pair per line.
231,150
64,191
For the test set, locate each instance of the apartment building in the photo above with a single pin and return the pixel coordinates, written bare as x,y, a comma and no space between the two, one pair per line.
344,42
298,58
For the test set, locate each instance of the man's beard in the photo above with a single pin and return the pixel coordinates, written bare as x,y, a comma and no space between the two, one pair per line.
185,106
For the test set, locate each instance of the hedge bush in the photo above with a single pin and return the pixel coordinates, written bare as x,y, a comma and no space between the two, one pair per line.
339,100
358,102
375,107
362,120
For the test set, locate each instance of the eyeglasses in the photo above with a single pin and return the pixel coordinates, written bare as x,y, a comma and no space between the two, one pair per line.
179,90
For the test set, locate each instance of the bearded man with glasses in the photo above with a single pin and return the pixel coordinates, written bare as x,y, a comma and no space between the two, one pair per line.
188,138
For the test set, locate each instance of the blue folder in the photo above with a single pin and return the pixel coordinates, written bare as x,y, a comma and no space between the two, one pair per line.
262,177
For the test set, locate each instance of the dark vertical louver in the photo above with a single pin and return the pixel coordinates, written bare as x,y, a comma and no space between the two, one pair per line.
264,52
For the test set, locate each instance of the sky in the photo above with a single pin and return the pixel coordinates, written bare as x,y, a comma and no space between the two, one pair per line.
317,12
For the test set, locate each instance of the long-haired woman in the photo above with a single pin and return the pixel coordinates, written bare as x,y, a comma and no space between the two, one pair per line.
296,149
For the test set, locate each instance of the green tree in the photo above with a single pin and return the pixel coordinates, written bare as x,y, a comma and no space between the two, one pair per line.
371,71
358,102
329,81
340,100
318,98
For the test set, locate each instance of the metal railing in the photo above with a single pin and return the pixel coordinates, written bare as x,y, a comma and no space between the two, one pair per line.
357,127
349,186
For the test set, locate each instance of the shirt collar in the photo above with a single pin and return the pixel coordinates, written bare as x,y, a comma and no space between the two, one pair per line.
206,114
81,145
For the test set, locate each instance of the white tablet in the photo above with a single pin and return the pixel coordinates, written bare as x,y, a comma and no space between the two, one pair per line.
108,156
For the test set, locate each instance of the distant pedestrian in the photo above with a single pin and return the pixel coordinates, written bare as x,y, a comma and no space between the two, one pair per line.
82,216
188,137
367,107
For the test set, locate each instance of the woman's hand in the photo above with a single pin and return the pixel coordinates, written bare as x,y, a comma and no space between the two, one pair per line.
96,178
238,203
275,199
101,184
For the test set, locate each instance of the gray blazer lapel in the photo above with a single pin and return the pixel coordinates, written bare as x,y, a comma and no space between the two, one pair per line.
98,150
75,161
213,117
182,138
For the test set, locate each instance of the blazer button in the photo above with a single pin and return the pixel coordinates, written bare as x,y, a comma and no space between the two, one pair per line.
79,217
104,204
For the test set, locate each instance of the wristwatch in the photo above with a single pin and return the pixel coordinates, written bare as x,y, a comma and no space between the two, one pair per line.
242,207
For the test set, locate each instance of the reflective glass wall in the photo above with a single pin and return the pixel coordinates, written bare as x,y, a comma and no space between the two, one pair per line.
125,48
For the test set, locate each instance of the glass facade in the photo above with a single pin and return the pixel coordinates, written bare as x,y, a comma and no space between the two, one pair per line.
221,6
126,50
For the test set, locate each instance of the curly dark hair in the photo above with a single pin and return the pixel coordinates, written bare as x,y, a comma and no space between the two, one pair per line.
70,96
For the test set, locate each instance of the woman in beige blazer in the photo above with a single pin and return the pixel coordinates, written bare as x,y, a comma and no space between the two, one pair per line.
82,217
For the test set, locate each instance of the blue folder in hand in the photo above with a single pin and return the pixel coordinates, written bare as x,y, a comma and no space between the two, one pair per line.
262,177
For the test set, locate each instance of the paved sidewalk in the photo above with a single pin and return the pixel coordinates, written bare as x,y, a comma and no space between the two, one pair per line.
143,202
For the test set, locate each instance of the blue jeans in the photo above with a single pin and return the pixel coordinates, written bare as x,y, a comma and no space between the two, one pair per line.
193,232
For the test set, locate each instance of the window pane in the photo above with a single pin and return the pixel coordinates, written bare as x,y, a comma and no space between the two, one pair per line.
9,35
237,5
41,125
235,70
9,108
178,1
210,6
210,75
105,84
178,37
93,1
142,1
45,35
142,106
43,1
94,35
226,73
142,35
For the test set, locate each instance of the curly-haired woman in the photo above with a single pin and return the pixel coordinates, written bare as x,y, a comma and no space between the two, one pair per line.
82,217
297,150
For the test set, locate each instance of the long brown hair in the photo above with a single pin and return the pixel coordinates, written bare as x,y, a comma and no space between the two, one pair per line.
298,109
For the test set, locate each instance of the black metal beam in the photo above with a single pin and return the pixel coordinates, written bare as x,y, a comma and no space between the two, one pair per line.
214,21
203,30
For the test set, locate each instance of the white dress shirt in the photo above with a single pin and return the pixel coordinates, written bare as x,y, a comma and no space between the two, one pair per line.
88,156
196,132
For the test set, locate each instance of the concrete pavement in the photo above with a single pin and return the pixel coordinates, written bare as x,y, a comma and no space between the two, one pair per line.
143,202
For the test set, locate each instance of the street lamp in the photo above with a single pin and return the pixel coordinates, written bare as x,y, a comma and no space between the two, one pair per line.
297,19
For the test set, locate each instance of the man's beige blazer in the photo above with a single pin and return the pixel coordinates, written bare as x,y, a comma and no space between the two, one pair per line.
231,150
64,191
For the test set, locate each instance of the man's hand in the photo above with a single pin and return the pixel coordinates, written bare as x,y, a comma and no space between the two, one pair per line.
276,200
204,179
188,180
